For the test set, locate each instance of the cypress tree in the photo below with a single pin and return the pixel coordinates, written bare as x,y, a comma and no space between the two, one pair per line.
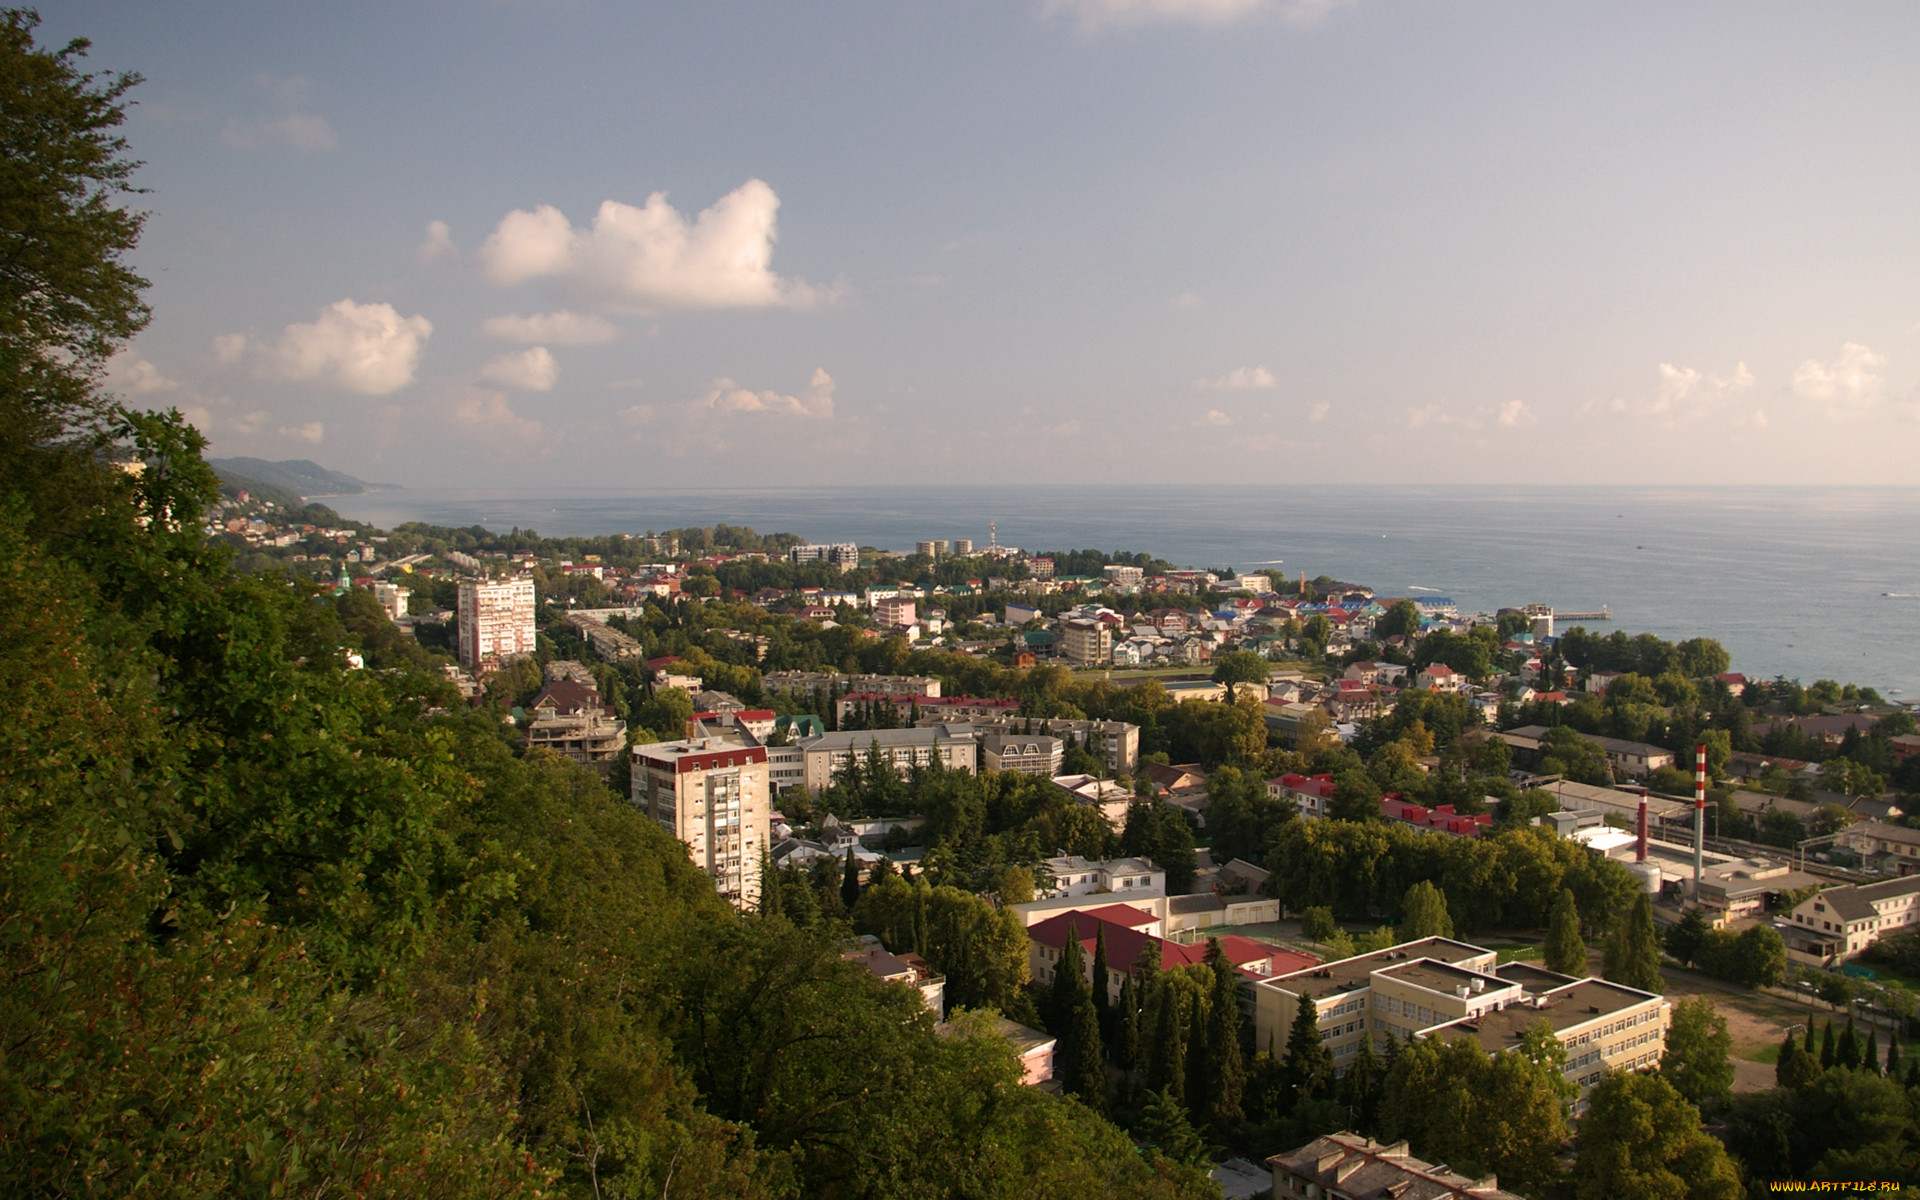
1360,1090
1870,1057
1633,949
1565,952
769,885
1826,1046
1224,1104
1913,1072
1847,1053
1783,1065
1893,1054
1200,1080
1080,1060
1167,1061
1101,1005
1126,1027
850,882
1810,1048
1068,982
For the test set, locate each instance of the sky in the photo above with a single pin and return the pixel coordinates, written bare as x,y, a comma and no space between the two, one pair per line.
598,243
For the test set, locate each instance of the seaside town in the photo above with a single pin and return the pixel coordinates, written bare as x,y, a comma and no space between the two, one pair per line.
1257,863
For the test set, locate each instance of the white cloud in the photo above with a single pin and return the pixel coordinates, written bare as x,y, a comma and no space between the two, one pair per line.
487,412
1850,382
1241,379
1513,412
312,431
1683,393
300,131
558,328
651,258
365,348
1103,14
1188,300
439,244
1319,411
530,370
1215,417
135,376
728,397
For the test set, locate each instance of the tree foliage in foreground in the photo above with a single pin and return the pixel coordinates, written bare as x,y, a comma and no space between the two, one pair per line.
273,926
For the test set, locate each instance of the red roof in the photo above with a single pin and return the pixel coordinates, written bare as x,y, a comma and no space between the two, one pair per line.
1124,942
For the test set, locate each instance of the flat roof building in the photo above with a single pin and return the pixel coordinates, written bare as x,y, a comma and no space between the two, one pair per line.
712,794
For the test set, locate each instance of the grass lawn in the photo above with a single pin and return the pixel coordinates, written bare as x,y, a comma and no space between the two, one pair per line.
1763,1054
1507,954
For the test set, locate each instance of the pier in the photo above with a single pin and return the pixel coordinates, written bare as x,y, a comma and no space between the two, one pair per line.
1603,614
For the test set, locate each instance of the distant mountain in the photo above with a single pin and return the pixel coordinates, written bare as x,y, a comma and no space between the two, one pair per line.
299,476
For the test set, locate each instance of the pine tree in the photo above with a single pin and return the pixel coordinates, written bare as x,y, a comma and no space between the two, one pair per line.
1565,952
850,882
1307,1064
1870,1057
1826,1047
1633,950
1224,1103
1165,1126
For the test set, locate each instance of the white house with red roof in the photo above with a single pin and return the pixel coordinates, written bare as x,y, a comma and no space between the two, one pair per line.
1439,677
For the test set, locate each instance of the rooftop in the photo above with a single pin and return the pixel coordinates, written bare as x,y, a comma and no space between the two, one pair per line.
1566,1007
1350,973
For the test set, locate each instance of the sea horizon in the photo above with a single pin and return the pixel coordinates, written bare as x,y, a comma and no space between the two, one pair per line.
1806,581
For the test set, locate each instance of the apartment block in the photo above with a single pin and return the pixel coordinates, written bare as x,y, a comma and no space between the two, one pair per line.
829,681
712,794
895,610
496,621
1028,754
955,747
392,599
1087,643
1116,743
841,556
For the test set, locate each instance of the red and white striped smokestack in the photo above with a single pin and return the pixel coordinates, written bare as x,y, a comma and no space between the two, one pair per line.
1640,832
1699,814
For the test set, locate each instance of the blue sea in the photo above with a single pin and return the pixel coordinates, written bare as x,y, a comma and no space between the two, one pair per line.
1806,582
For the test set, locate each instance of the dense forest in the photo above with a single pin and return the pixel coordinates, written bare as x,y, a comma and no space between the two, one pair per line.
273,925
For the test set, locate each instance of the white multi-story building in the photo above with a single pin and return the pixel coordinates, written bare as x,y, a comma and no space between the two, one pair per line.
711,794
1086,642
1437,987
955,747
1028,754
496,621
1076,876
392,598
841,556
1842,921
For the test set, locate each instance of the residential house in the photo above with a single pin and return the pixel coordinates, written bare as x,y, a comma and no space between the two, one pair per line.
1310,793
1842,921
1351,1165
1076,876
906,968
711,794
1439,677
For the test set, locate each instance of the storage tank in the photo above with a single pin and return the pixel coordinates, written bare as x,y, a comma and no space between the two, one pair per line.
1648,873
